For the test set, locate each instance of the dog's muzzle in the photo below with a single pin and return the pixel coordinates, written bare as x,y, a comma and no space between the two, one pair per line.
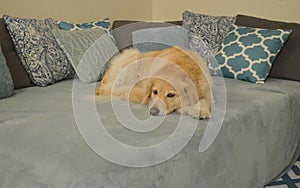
157,107
154,111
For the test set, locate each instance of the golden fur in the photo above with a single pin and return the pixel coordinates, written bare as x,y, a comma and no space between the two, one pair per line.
173,79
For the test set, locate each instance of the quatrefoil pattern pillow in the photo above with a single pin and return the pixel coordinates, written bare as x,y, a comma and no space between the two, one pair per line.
103,24
248,53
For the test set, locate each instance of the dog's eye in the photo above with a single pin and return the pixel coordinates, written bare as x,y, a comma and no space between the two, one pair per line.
155,92
170,95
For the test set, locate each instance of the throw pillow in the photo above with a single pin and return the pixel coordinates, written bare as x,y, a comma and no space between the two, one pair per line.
104,24
286,64
88,50
19,75
38,51
122,30
153,39
6,82
206,34
248,53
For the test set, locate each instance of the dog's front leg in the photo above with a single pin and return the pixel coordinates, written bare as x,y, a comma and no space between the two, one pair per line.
104,89
200,110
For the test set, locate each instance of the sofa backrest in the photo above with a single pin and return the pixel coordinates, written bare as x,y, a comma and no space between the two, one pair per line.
122,30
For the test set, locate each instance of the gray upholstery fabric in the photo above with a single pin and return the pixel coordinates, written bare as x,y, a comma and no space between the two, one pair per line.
40,144
152,39
122,30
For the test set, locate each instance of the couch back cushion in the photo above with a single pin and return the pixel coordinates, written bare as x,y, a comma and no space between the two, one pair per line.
122,30
287,63
153,39
6,82
18,72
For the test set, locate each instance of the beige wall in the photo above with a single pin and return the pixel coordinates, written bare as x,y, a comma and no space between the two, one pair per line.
90,10
285,10
78,10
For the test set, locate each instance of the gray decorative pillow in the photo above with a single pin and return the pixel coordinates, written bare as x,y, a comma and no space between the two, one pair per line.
152,39
6,82
206,34
88,50
38,51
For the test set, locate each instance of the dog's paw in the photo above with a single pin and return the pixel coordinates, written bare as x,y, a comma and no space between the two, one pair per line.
99,91
199,114
204,114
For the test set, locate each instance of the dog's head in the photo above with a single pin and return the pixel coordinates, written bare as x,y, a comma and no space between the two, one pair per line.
163,97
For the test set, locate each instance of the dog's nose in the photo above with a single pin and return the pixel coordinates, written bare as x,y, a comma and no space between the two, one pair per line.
154,111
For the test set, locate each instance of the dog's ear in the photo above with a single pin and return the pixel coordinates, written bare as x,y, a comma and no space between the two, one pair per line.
147,97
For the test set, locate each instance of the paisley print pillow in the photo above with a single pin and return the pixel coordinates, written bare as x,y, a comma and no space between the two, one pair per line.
38,51
206,34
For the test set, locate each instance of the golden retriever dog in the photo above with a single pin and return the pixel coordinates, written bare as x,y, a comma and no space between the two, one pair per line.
173,79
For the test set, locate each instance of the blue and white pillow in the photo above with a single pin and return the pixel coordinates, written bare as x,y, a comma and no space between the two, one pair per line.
248,53
152,39
103,24
6,82
38,50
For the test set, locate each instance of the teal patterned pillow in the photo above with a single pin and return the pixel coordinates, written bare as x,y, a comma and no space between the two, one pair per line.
38,51
6,82
88,50
104,24
248,53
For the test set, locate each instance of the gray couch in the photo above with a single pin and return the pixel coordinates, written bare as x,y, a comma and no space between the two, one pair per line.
43,143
